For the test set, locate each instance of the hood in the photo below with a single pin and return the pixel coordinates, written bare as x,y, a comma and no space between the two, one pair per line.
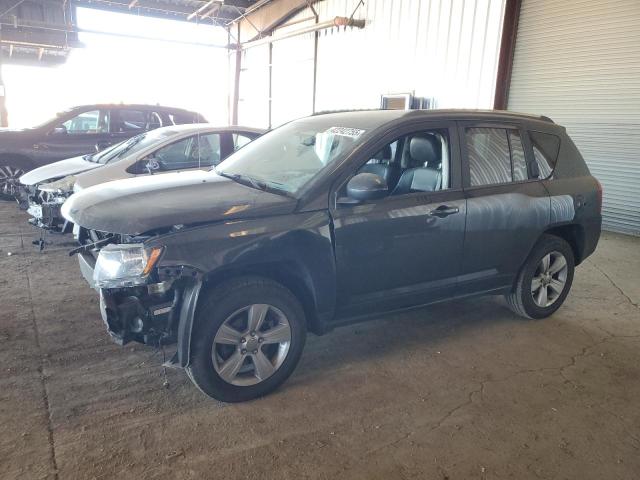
138,205
109,172
57,170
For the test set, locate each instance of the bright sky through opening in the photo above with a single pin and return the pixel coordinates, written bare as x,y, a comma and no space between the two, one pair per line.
118,69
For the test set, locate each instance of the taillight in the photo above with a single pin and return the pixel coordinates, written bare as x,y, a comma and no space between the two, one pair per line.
599,196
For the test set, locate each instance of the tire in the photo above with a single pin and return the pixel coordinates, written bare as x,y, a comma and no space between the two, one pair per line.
527,298
11,169
224,313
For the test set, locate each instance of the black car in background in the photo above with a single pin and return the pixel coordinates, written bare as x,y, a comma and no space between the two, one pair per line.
78,131
332,219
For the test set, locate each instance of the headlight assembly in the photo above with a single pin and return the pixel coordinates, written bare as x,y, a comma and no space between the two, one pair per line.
64,185
124,265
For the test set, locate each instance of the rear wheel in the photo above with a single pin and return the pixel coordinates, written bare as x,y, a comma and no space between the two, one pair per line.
248,338
545,280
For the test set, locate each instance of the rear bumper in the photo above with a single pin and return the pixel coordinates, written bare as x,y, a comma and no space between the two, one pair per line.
592,231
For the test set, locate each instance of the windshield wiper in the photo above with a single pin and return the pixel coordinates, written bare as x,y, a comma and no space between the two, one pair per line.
243,179
132,143
255,183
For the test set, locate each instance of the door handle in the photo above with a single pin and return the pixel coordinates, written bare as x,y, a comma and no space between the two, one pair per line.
444,211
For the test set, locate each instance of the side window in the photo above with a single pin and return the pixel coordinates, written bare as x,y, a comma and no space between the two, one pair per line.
545,151
192,152
239,141
130,121
208,150
154,121
386,155
87,122
419,162
182,118
488,154
517,156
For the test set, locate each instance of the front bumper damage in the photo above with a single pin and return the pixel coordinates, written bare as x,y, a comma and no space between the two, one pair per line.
45,210
159,313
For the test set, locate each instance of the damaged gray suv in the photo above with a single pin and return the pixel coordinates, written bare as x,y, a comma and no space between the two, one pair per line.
333,219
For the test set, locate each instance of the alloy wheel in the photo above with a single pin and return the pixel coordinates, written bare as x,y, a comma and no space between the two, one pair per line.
549,279
9,179
251,344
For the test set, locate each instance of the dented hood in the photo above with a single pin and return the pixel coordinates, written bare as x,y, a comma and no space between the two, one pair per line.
138,205
57,170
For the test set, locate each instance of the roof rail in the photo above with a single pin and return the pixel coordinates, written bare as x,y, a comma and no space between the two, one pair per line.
345,110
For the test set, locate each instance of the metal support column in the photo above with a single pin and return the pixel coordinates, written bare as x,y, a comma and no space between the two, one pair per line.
236,82
4,120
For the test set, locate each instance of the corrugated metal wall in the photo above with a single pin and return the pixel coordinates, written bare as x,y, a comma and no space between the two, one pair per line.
444,49
579,63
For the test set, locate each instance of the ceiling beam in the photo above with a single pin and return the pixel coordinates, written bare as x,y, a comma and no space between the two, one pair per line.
156,9
265,16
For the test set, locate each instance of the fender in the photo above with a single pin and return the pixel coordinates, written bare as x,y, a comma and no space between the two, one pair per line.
295,250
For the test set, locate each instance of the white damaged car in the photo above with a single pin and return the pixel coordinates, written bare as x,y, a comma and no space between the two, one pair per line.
168,149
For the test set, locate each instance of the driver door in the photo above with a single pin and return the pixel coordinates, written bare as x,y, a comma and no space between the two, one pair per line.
190,153
76,136
405,249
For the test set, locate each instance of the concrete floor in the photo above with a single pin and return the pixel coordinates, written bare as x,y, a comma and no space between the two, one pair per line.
463,390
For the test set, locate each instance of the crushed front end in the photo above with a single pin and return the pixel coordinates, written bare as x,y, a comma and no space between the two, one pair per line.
138,301
44,203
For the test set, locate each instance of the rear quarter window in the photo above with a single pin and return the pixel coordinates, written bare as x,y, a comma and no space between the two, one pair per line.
545,151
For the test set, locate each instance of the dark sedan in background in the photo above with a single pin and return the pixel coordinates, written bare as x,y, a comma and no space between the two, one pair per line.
78,131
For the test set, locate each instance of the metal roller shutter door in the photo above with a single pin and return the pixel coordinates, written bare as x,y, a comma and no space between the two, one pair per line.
578,62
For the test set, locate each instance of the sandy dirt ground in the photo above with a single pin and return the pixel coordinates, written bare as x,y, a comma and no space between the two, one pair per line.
462,390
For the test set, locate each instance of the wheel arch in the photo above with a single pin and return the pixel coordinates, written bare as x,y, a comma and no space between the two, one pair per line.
25,161
574,235
288,273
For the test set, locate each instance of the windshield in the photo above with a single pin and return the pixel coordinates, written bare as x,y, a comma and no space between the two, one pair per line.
290,156
95,157
52,120
132,146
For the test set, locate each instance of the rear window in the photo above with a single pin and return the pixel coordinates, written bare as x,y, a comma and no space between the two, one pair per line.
545,150
488,153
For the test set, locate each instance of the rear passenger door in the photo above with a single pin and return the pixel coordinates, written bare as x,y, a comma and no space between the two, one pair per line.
507,209
404,249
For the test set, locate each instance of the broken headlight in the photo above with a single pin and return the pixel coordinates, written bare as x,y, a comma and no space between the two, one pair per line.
63,185
124,265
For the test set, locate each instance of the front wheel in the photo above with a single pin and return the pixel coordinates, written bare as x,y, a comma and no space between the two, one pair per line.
545,279
10,173
248,337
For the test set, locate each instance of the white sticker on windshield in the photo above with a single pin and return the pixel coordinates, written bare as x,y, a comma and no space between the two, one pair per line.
345,131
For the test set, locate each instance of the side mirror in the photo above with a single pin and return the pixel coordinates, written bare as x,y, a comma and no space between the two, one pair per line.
367,186
60,130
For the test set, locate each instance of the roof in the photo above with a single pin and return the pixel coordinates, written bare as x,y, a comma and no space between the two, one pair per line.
369,119
199,127
131,105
